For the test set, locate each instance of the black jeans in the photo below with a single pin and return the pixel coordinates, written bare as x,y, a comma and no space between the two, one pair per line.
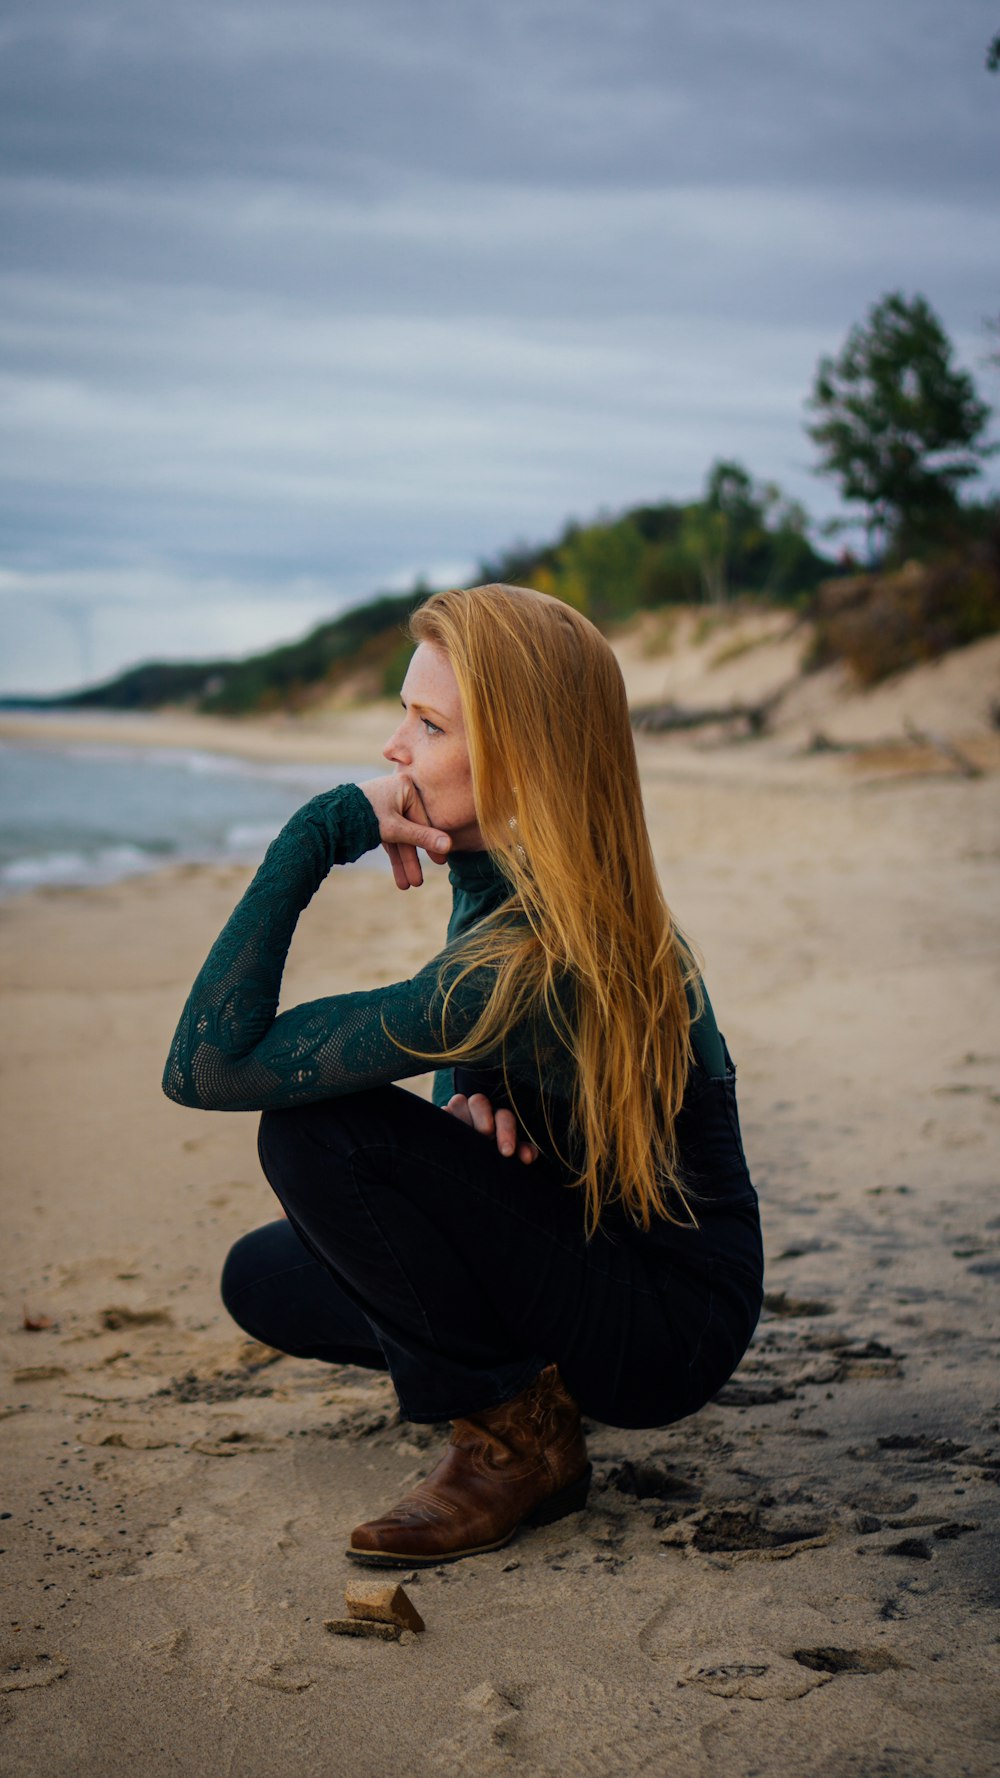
412,1244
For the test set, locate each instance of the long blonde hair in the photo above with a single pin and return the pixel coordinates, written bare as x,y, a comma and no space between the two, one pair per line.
558,801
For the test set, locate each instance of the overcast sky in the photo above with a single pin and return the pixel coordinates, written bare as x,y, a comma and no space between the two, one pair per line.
298,301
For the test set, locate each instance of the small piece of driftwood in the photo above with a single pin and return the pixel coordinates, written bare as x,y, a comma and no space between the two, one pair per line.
363,1626
667,718
961,761
916,737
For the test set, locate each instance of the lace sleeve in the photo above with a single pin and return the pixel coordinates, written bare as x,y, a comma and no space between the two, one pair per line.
231,1052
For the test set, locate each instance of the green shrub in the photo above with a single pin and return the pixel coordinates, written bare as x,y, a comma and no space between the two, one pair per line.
882,623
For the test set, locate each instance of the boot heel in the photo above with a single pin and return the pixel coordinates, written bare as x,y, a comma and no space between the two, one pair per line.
571,1499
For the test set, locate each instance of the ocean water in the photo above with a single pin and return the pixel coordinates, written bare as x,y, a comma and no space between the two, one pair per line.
91,813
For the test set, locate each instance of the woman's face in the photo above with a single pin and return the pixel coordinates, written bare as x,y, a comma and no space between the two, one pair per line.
430,747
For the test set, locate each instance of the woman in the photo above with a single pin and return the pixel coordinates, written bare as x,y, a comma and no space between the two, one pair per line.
581,1232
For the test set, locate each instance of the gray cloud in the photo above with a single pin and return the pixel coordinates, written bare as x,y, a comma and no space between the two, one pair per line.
567,90
313,297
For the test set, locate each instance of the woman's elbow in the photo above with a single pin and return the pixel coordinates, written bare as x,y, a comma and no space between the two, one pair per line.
185,1087
203,1094
179,1086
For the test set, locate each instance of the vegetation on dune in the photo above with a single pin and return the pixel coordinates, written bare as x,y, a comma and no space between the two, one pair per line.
284,678
146,687
741,537
879,624
898,425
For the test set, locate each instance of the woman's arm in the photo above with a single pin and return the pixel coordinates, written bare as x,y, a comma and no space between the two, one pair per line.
230,1051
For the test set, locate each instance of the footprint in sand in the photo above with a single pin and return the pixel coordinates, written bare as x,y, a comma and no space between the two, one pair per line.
742,1532
128,1436
756,1673
196,1144
780,1304
166,1651
581,1726
84,1271
235,1443
39,1373
118,1317
281,1676
917,1549
922,1447
780,1657
651,1479
27,1662
848,1660
746,1394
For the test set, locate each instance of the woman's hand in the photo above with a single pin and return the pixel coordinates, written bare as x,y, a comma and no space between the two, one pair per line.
478,1113
403,826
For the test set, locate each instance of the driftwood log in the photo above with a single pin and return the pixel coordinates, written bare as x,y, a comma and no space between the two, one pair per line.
667,718
940,743
914,737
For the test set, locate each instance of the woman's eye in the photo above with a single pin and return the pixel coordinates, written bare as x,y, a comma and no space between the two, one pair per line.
431,727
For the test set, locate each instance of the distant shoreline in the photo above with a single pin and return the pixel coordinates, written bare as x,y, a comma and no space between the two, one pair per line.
348,737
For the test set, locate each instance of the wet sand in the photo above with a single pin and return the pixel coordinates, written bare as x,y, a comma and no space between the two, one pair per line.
803,1577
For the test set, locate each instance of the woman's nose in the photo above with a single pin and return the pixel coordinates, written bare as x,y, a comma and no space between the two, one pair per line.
394,749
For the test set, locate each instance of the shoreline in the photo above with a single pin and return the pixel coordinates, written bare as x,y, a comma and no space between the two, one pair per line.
343,737
107,850
87,801
355,736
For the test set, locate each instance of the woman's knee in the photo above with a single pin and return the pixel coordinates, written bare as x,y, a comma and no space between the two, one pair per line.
248,1265
277,1135
292,1141
303,1146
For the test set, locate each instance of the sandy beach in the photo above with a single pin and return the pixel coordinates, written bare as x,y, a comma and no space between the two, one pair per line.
803,1577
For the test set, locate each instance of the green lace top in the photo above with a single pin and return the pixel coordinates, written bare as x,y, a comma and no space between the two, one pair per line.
233,1051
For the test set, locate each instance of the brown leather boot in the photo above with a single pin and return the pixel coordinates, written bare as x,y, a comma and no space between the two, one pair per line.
523,1463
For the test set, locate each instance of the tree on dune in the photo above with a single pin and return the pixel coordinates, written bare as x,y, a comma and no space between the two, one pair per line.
898,423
